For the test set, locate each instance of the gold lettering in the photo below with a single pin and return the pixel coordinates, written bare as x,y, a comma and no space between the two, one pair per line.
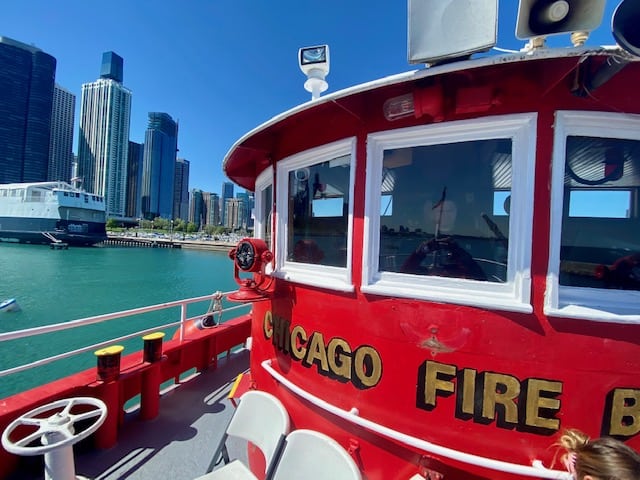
267,325
281,337
367,358
298,342
339,357
434,383
316,352
536,400
625,412
492,396
468,391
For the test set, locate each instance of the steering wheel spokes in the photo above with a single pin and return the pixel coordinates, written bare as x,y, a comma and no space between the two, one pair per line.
56,425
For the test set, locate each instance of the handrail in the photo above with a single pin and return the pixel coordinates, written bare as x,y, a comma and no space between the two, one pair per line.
56,327
536,470
101,318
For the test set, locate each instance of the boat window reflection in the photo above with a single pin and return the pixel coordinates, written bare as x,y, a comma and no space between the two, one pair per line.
446,220
600,245
318,213
267,207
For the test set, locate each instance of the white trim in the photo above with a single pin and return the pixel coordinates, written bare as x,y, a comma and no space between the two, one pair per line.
353,416
514,294
264,180
615,306
333,278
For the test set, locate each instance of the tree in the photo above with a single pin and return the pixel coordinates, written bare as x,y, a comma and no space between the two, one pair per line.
112,223
179,225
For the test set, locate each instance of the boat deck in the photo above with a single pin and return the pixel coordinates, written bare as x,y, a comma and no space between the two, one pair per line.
178,444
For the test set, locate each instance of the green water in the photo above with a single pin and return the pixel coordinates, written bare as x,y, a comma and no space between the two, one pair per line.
53,286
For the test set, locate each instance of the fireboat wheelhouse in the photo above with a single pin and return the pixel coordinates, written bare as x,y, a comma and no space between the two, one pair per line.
455,274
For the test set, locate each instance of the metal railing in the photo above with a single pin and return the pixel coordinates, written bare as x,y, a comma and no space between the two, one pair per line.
536,469
29,332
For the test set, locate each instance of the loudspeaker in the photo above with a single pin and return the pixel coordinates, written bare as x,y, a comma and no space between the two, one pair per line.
624,26
443,30
539,18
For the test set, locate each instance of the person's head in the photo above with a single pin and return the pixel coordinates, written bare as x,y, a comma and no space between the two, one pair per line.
600,459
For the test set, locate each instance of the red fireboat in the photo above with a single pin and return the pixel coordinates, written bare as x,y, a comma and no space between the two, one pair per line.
446,269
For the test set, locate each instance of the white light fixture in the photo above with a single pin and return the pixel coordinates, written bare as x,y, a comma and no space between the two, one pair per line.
314,63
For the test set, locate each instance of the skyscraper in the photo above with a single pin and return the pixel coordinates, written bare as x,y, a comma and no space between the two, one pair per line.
159,166
227,194
134,180
103,142
61,142
233,207
243,210
181,190
27,75
196,207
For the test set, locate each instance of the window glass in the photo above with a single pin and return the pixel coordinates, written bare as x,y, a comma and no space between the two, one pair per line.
445,221
600,241
266,204
318,199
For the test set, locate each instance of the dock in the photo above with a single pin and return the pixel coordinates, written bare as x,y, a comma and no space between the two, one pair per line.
132,241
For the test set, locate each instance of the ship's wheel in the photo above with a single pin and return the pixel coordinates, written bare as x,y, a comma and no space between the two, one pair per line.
52,430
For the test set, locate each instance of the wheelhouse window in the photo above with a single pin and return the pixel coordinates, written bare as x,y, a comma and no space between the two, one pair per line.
315,191
264,206
439,203
594,264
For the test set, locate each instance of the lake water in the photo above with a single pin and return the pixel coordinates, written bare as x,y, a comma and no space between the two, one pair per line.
53,286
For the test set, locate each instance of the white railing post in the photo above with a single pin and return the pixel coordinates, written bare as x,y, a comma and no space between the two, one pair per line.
183,320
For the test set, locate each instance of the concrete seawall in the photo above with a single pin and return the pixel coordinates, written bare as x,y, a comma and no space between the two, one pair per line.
144,242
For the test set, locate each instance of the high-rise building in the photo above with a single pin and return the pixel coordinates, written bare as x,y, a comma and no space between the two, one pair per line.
134,180
211,209
181,190
196,207
159,166
103,144
214,212
244,212
227,194
61,143
233,207
27,76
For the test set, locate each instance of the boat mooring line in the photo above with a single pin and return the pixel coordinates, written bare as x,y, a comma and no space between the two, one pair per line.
536,470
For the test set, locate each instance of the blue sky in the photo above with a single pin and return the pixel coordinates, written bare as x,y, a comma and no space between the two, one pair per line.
222,67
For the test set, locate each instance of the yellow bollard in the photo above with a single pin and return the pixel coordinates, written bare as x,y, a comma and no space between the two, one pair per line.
153,347
109,362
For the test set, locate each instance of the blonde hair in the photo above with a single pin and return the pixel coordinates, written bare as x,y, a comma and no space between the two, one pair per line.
604,458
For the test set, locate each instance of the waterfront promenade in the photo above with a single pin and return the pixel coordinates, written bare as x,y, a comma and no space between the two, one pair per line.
165,241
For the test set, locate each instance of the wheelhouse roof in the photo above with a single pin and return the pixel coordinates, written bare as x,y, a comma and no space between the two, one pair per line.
257,149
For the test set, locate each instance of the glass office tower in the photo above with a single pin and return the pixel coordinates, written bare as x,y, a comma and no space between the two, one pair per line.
159,166
27,76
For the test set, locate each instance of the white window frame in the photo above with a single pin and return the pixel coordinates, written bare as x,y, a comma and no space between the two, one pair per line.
603,305
329,277
515,293
264,180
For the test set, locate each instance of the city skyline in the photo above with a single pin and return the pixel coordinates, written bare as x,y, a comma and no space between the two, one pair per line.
221,69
